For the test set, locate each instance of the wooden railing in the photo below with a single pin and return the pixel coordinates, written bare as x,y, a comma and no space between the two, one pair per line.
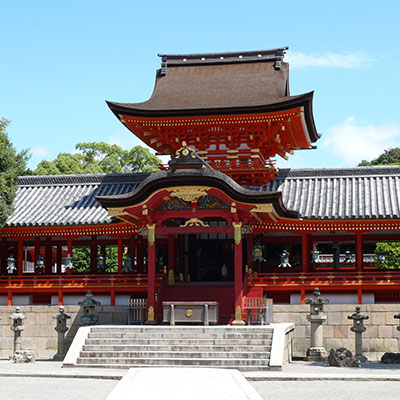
76,281
323,278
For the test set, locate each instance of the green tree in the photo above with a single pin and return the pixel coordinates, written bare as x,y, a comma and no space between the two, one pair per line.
388,157
12,164
100,157
81,259
391,249
392,254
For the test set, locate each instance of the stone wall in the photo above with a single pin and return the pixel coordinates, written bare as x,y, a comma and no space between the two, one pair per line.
381,334
39,334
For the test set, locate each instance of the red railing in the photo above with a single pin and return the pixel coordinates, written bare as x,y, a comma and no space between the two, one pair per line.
76,281
323,278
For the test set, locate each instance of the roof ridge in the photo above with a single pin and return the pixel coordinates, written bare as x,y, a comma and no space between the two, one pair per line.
230,57
39,180
377,170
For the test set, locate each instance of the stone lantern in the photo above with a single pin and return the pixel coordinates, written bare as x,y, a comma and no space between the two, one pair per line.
317,317
89,304
17,327
61,328
11,264
358,327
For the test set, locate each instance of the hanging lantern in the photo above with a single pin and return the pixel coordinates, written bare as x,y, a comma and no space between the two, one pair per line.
68,262
101,265
285,259
381,257
315,255
11,264
39,263
127,264
258,253
348,257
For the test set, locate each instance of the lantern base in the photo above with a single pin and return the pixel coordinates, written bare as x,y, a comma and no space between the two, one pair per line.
316,354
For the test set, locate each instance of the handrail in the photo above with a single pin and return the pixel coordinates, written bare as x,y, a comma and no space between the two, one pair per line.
77,280
331,277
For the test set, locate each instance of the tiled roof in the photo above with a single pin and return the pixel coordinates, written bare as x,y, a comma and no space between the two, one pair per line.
67,199
324,193
340,193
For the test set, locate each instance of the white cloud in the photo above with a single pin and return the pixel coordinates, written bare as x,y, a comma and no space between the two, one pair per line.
353,142
39,151
125,139
328,60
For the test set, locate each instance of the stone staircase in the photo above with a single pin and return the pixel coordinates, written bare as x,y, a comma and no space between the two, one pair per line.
244,348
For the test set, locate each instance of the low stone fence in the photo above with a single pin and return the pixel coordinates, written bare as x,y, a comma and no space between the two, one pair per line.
381,335
39,334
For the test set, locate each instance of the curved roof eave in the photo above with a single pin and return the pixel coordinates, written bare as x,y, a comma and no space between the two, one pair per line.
215,179
303,100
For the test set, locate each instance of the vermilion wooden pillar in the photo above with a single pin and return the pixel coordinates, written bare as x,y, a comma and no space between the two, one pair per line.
305,252
151,272
250,240
359,252
302,296
48,263
120,254
60,297
238,286
140,255
20,256
37,251
132,251
59,260
171,252
93,255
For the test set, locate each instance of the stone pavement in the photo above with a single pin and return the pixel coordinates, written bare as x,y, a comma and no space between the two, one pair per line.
297,370
46,380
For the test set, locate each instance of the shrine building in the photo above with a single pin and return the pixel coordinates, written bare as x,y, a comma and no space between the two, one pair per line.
220,222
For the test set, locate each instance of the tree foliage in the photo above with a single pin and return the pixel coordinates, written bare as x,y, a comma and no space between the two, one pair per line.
100,157
12,164
388,157
81,259
390,249
392,254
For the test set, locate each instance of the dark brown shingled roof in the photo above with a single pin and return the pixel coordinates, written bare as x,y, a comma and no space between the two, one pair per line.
215,83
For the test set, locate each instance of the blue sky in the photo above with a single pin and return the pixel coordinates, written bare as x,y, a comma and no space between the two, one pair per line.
60,60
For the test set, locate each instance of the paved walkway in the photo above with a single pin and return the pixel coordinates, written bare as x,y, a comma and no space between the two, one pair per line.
298,370
46,380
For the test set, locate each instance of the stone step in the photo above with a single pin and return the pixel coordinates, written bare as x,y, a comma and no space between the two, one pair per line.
185,329
166,347
174,354
178,335
126,366
209,362
187,342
